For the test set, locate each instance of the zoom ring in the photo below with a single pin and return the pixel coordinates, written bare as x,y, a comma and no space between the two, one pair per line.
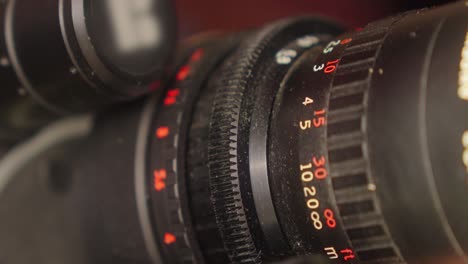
354,186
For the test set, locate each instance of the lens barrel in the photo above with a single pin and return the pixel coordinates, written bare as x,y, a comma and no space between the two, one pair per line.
374,165
294,166
292,140
361,116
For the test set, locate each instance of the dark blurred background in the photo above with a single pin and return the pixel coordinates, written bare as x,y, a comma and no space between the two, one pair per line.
202,15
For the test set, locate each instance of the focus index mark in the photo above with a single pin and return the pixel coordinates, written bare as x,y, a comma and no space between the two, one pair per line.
171,97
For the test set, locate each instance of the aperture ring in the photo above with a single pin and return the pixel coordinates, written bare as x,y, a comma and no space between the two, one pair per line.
167,182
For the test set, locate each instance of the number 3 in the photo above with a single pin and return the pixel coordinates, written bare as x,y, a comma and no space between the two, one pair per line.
319,68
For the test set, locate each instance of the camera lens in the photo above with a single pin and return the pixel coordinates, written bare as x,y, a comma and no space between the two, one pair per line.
360,115
270,51
299,143
293,142
76,56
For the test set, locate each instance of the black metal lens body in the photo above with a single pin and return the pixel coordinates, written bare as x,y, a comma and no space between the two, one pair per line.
288,140
376,124
315,150
289,148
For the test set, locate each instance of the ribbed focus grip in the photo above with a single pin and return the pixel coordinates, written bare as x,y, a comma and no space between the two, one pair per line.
246,85
353,184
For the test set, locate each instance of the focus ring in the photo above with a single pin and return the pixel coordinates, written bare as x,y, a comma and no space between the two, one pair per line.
354,187
239,116
197,161
223,153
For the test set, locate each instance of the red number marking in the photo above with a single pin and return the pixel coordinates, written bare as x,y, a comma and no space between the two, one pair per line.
348,254
169,101
183,73
346,41
171,96
321,173
162,132
197,54
169,238
318,162
320,112
319,120
159,179
331,66
173,92
329,216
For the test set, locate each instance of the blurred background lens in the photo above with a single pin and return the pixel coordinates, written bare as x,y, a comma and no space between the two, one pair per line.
66,57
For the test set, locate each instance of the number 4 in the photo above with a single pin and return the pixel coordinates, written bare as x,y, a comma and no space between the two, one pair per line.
308,101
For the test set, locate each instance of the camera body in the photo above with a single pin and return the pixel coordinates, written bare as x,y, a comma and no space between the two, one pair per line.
297,139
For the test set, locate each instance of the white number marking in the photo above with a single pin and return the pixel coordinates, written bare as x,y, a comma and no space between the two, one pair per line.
331,252
285,56
307,41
